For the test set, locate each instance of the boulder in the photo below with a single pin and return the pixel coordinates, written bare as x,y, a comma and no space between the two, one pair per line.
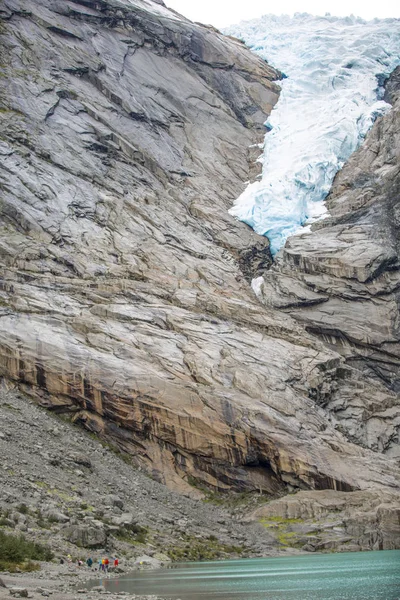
124,519
56,516
86,536
18,592
80,459
113,500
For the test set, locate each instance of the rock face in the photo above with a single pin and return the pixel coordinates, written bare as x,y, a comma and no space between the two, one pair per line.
125,296
342,282
328,520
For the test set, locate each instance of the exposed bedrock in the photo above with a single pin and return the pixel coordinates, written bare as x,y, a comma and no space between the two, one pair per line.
318,521
126,134
342,281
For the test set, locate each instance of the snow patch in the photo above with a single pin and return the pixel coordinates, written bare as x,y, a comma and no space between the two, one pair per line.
256,284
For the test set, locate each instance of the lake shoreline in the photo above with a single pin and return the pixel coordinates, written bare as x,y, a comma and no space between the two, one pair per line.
303,577
68,581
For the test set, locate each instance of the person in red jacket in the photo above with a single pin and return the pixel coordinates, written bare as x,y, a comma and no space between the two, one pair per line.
116,562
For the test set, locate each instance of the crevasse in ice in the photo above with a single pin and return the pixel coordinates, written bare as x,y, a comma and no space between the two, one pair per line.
329,100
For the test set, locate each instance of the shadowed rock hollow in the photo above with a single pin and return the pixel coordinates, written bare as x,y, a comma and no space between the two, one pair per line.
126,134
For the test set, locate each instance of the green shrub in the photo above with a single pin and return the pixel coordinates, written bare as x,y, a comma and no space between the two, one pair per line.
133,534
193,549
43,524
16,550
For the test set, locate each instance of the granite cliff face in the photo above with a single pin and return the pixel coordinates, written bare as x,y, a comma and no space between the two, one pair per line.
126,133
342,282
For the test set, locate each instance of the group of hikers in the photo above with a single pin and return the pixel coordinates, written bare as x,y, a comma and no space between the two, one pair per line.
104,564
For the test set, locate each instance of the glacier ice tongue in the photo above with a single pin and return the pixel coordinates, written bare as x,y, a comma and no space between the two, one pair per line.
330,98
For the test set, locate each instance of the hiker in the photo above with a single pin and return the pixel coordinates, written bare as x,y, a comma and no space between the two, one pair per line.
89,562
107,563
100,564
116,562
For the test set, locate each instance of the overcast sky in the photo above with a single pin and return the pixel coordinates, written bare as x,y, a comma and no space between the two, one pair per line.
227,12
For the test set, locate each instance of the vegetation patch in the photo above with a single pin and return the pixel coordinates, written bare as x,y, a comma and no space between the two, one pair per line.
281,528
235,500
42,484
42,523
268,521
288,539
87,507
17,553
6,405
194,549
5,520
132,534
62,495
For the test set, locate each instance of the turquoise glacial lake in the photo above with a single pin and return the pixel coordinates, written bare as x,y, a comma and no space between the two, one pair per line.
347,576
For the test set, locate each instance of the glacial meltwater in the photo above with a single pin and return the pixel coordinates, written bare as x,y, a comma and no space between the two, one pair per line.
335,69
347,576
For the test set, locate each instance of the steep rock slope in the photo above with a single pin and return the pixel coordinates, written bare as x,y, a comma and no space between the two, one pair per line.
77,492
124,295
343,280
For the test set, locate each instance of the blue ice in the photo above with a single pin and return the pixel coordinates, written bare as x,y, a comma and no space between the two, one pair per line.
328,102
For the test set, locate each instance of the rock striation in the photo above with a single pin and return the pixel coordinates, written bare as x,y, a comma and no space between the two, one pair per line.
126,133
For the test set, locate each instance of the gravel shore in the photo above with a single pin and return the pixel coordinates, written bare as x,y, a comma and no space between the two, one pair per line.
60,582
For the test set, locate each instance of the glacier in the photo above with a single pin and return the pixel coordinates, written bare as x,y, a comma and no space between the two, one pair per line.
333,70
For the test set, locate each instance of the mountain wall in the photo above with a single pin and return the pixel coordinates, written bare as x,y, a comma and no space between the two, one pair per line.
342,282
126,134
